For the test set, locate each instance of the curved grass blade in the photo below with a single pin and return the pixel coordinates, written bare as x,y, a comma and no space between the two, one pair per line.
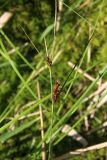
4,137
17,51
24,113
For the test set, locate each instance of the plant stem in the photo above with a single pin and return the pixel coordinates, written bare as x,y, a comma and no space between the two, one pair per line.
52,111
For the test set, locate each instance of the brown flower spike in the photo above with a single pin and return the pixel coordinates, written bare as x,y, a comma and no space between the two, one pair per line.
49,61
56,91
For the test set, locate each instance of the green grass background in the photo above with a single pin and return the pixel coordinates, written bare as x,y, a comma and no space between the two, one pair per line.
32,21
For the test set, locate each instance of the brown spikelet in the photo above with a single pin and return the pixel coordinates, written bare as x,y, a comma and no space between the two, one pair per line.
49,61
56,91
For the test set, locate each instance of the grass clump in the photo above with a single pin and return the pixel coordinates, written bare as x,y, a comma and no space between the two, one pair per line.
71,36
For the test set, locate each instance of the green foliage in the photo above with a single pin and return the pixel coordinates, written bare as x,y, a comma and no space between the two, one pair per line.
20,71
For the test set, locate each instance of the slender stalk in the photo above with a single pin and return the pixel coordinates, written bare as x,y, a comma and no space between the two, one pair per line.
41,123
29,39
52,109
52,113
55,23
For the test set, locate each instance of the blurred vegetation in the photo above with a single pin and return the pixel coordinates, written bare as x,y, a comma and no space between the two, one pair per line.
36,17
